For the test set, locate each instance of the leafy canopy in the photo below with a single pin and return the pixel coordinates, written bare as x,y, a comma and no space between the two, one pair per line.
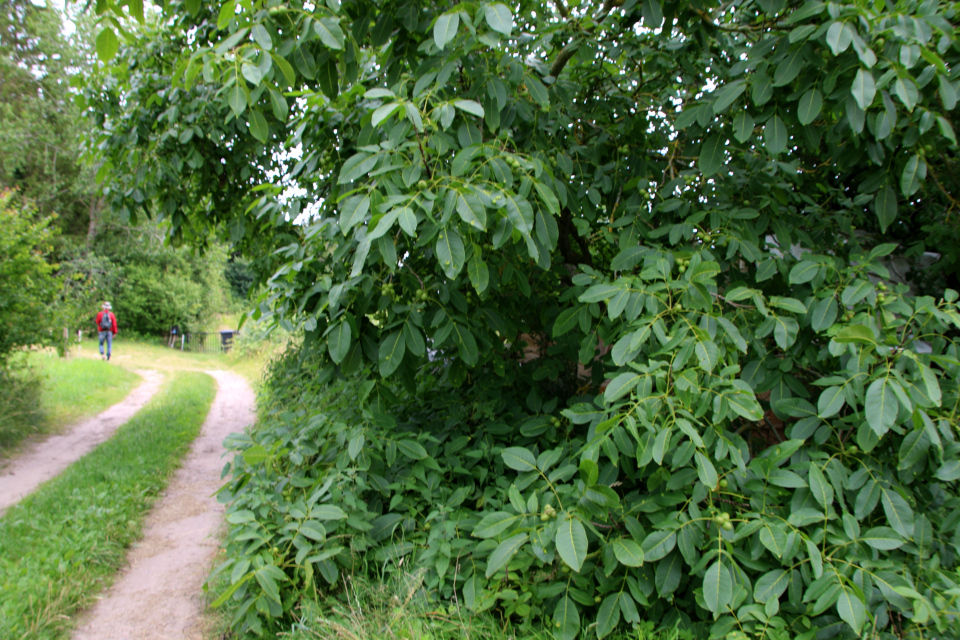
694,200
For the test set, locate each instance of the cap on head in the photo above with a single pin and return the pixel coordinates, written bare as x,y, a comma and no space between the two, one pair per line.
106,305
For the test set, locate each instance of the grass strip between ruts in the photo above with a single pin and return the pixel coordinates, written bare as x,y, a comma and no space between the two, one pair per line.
63,544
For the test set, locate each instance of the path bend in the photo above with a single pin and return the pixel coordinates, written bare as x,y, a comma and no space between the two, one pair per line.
46,459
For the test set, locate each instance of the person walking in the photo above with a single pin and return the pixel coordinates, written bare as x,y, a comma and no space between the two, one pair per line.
106,328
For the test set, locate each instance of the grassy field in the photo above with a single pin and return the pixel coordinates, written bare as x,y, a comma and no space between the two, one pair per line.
47,392
62,545
137,355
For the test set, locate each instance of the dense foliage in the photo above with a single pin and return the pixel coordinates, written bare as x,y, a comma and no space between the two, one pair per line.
697,202
28,287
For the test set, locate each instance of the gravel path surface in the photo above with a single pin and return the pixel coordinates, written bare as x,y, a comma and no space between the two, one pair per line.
159,596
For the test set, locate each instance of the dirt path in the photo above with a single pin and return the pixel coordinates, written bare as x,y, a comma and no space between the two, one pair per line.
159,596
46,459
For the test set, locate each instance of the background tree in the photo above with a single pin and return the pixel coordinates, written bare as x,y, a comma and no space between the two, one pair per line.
667,193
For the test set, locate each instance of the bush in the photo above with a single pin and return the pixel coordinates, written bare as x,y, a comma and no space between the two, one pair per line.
695,508
27,284
19,404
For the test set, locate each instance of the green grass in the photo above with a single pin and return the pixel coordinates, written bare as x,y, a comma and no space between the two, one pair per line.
47,392
399,609
77,388
138,355
62,545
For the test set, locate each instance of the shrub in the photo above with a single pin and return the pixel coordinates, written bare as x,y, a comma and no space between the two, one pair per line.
673,496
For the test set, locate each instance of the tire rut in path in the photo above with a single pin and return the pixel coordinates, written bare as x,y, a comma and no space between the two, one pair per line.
159,596
45,460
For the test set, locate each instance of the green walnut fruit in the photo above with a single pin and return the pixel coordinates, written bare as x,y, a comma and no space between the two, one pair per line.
724,483
426,526
853,449
421,184
544,518
597,599
727,526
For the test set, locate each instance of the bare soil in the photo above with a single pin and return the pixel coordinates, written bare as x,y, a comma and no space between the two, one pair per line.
159,596
45,459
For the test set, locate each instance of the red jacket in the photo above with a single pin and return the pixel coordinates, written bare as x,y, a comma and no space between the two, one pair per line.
113,320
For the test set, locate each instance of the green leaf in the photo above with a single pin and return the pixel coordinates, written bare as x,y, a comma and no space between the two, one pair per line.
470,106
566,321
914,173
537,91
258,125
466,344
745,405
809,107
839,37
504,552
856,333
883,538
899,514
328,512
268,583
519,459
572,543
445,28
652,14
608,616
743,125
628,552
313,530
255,455
658,544
262,37
392,349
499,18
285,68
108,45
949,471
472,211
237,99
717,587
881,406
821,489
775,135
704,273
863,89
566,619
885,206
352,212
824,314
771,585
411,449
338,341
408,221
851,609
830,403
706,471
708,354
478,272
330,32
804,271
914,448
789,67
774,539
357,166
492,525
728,95
227,13
450,252
621,386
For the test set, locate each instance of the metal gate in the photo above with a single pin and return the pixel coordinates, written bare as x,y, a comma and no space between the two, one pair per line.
207,342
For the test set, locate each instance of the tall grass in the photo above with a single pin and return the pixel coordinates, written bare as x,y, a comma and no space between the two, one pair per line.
63,544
